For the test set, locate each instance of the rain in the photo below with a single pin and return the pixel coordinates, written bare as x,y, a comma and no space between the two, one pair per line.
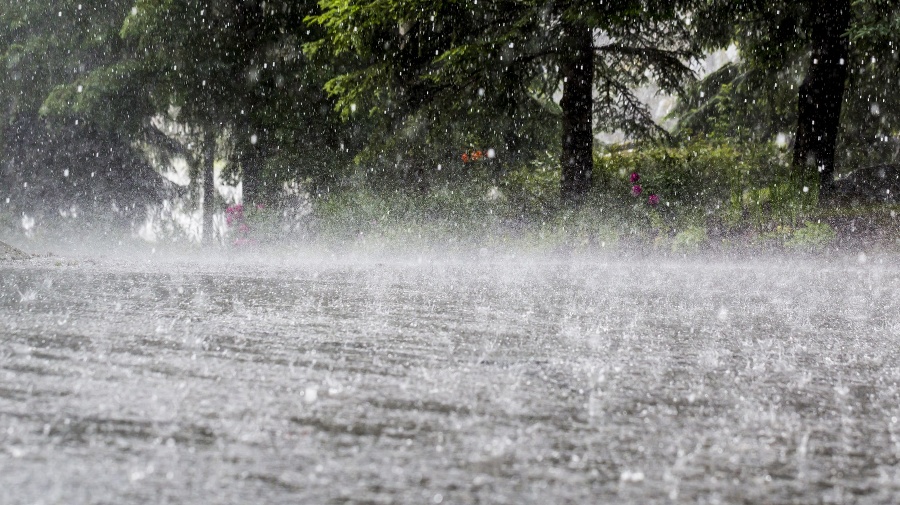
345,251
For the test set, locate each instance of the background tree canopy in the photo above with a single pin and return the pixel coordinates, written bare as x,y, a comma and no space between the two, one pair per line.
497,73
399,94
839,59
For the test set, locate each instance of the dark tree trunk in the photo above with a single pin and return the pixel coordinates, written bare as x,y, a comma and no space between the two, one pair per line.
251,187
251,157
209,188
577,121
821,96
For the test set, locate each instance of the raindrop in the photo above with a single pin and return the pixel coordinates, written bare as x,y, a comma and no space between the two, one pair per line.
27,222
632,477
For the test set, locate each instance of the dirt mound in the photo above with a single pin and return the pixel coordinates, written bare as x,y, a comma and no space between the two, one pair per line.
8,252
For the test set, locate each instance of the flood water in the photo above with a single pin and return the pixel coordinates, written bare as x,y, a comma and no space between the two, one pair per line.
503,379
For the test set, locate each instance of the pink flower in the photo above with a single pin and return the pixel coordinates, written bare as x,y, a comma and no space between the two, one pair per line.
636,189
635,177
653,200
235,210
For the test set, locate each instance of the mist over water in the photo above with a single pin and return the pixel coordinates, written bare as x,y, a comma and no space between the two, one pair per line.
499,376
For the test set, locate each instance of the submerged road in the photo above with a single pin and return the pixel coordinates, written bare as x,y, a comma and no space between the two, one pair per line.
503,380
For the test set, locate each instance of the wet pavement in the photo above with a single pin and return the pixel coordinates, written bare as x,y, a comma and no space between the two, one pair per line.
507,379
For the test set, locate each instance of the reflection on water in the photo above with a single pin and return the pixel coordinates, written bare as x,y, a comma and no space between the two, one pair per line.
532,380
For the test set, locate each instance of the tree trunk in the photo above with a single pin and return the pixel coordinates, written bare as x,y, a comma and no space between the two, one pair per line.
249,160
577,121
821,96
209,188
251,156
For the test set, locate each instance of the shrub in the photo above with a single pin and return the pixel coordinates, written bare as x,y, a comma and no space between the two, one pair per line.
811,237
533,190
690,239
734,184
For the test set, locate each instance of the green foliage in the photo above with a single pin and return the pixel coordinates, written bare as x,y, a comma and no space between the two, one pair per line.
697,179
439,77
534,188
45,44
756,98
690,239
728,103
112,97
812,237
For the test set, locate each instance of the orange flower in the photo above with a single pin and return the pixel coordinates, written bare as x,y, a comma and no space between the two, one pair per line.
477,155
465,157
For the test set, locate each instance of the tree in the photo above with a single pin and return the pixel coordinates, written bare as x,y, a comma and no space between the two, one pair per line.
821,94
67,166
229,68
412,54
805,66
871,114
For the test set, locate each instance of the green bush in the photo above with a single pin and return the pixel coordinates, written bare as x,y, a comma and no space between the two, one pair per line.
532,190
811,237
690,239
741,195
732,184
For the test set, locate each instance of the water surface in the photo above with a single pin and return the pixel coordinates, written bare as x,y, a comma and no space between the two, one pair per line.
506,379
